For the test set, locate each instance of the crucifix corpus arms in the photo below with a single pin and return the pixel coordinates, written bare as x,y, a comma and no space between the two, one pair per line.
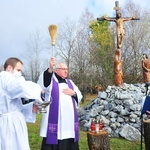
119,24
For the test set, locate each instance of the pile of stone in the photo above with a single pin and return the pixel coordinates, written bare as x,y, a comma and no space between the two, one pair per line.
119,109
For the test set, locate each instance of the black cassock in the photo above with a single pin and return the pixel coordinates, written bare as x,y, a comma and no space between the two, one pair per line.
67,144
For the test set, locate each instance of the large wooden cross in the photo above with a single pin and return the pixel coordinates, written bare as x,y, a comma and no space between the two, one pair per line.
119,20
119,23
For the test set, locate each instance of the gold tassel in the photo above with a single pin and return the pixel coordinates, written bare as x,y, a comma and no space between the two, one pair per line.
53,30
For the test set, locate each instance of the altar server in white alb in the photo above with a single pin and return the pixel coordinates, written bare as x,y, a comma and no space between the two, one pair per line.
13,114
59,126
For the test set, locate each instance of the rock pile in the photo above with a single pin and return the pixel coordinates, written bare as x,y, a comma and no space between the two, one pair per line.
119,109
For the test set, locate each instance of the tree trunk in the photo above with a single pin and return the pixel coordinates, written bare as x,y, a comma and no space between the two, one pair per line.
98,141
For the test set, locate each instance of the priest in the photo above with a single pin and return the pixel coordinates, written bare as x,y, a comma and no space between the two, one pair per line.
59,126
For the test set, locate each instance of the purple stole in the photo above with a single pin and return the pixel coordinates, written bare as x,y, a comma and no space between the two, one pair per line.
52,128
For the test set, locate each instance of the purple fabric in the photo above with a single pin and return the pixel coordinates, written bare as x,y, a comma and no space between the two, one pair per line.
52,128
53,121
75,114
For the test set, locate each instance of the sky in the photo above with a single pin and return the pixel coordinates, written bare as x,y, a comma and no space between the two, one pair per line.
20,18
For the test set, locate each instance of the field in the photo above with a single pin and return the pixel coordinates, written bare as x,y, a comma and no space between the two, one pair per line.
115,143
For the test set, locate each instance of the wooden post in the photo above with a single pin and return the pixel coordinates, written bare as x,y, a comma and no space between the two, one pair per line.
98,141
147,134
117,8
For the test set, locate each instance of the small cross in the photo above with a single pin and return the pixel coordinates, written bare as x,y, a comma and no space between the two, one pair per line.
117,8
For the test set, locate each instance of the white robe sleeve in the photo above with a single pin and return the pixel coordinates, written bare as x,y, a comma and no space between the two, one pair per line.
30,116
41,83
143,101
20,88
40,80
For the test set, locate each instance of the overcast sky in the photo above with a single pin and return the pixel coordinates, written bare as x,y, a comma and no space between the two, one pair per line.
20,18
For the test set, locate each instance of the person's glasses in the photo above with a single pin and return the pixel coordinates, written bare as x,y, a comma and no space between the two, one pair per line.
63,68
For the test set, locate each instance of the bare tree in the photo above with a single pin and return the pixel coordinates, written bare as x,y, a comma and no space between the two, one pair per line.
35,56
73,47
136,41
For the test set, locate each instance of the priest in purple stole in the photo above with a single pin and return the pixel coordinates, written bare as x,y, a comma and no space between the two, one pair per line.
59,126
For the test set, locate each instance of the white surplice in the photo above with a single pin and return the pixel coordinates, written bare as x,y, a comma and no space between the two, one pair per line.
13,114
66,111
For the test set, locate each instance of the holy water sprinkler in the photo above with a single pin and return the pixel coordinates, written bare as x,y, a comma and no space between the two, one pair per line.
53,31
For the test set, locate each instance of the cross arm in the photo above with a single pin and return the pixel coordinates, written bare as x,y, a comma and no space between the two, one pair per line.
130,18
133,18
106,18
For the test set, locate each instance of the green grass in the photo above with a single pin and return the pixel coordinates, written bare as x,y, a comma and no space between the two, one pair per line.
115,143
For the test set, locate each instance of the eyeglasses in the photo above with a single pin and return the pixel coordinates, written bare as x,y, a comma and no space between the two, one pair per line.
63,68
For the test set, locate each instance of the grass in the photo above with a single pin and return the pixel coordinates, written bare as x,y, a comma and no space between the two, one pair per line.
115,143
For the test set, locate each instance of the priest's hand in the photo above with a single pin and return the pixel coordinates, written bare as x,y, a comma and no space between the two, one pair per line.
68,91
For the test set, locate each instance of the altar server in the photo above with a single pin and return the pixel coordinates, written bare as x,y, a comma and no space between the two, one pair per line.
13,114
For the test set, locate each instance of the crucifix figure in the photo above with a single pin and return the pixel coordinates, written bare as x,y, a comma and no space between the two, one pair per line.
119,20
119,23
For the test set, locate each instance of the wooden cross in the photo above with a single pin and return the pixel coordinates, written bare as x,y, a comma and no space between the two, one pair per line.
119,23
117,8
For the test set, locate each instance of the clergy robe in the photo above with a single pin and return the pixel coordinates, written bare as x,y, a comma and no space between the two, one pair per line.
13,114
65,110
